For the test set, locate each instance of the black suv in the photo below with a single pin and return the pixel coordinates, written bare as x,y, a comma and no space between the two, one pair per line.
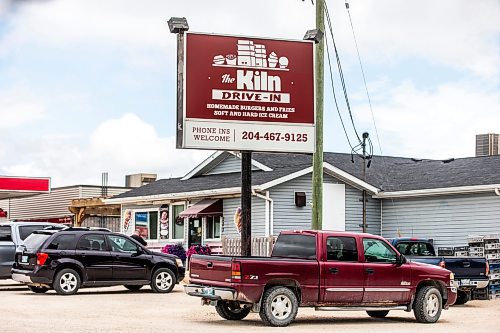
68,259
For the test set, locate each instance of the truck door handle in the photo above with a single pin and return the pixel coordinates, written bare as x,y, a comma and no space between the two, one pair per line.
210,264
370,270
333,270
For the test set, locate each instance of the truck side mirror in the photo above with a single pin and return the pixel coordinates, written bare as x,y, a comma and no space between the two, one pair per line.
400,260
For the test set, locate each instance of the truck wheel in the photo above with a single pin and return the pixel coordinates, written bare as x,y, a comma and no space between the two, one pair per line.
462,297
231,310
67,282
377,314
428,305
38,290
163,280
279,306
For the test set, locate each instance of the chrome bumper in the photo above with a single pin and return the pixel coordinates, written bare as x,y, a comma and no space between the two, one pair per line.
21,278
212,293
472,284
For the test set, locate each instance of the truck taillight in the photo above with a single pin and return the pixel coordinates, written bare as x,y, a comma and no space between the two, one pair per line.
442,264
236,271
487,268
41,258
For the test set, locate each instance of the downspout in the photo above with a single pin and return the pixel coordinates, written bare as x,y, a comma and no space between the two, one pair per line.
381,217
269,212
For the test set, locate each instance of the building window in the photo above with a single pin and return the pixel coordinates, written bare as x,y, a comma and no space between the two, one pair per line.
213,227
147,224
178,222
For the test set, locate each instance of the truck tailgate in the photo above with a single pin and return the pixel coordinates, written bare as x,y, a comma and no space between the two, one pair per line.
464,267
210,268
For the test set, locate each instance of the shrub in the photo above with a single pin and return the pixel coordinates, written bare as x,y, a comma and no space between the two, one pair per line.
175,249
198,249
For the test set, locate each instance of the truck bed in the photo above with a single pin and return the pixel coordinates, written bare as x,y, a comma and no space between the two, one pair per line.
217,271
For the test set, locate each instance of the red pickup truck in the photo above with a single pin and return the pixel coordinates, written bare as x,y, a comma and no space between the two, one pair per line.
327,270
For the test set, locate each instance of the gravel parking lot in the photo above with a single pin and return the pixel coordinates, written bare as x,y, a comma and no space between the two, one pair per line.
116,309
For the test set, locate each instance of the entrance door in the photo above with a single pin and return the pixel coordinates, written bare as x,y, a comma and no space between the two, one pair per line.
334,207
195,231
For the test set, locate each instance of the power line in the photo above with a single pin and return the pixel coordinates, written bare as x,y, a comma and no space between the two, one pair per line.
364,78
341,74
382,157
334,95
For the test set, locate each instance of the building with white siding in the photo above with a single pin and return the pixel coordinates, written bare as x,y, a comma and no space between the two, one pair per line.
443,200
53,206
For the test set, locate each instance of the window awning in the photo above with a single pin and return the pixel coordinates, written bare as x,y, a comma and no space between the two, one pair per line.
206,207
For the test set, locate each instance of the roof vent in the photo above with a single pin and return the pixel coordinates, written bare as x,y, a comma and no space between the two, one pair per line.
448,160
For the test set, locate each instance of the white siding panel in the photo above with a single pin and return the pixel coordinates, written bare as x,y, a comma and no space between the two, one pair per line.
95,191
446,219
53,204
354,209
287,216
258,217
229,165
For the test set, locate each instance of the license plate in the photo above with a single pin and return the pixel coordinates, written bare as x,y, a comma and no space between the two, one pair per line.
465,282
24,259
209,291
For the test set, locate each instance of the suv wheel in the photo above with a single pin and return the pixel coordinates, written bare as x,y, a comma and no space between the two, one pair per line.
67,282
279,306
428,305
38,290
163,280
231,310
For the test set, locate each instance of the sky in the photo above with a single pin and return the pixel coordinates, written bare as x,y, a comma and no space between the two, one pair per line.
89,86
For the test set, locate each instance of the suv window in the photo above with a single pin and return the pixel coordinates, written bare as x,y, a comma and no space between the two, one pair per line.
295,246
341,249
26,230
122,244
62,242
5,233
92,243
378,251
34,241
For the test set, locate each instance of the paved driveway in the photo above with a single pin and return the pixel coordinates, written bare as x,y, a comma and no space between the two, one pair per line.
116,309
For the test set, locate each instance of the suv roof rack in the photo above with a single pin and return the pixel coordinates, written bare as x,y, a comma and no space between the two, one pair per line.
87,229
56,227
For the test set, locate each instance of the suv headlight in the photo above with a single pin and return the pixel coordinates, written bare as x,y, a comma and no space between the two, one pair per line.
180,264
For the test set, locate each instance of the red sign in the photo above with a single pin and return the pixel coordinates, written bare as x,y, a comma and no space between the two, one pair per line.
24,184
248,93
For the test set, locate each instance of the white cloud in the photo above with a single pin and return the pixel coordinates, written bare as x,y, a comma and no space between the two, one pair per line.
19,106
118,146
437,123
460,34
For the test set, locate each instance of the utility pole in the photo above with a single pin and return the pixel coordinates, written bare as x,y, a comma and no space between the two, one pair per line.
317,176
246,203
365,136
